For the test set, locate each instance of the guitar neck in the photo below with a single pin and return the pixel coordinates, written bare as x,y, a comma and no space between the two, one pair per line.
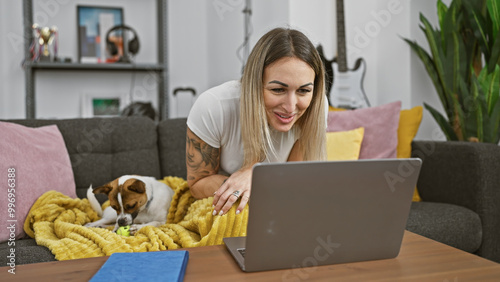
341,45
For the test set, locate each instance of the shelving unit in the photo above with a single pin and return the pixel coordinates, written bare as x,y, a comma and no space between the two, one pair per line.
79,66
161,68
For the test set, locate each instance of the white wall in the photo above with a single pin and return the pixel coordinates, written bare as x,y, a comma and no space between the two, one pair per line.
188,51
267,15
389,22
203,39
318,22
11,54
225,34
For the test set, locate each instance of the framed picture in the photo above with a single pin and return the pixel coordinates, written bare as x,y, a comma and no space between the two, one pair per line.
93,24
103,105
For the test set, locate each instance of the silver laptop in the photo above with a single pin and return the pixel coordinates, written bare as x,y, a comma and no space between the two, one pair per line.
317,213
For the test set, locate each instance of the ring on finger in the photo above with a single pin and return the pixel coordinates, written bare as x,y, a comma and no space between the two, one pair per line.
236,193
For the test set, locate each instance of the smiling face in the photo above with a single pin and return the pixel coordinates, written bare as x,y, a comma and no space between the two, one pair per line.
288,91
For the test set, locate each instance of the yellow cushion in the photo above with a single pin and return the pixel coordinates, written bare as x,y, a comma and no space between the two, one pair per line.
333,109
409,122
344,145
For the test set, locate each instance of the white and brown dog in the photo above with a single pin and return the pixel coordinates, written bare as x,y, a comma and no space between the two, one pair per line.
137,201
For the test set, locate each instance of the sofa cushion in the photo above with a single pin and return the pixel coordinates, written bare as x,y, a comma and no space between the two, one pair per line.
27,251
344,145
172,146
381,125
33,161
409,122
453,225
102,149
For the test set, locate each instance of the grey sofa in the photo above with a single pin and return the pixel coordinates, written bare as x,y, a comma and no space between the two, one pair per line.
459,181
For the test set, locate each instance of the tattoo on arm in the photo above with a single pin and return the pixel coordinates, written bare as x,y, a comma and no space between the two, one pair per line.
202,160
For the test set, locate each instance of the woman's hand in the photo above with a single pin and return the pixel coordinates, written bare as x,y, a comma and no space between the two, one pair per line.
238,185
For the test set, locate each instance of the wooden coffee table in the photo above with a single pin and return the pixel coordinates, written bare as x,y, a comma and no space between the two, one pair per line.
420,259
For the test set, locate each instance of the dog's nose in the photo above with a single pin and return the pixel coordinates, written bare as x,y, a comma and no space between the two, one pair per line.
122,222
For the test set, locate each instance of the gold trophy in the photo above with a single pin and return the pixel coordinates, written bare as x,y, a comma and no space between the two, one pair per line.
44,38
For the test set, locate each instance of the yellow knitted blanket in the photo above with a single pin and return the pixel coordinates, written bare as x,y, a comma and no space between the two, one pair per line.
56,222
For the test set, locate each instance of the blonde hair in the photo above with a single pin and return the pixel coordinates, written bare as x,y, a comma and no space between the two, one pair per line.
274,45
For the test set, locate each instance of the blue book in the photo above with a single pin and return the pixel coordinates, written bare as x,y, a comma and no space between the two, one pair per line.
148,266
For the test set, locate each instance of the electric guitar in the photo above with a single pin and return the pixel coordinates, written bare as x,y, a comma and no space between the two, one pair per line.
347,87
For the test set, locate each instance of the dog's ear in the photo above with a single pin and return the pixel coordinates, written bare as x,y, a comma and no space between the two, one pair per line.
137,186
106,188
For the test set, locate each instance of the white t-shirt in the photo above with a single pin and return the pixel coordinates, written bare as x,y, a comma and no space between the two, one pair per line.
215,119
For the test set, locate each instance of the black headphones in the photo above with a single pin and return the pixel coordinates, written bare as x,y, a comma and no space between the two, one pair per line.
133,44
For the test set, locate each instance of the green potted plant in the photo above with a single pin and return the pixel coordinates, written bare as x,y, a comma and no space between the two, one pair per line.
464,66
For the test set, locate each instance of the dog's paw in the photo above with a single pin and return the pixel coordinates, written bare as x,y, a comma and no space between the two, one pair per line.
133,229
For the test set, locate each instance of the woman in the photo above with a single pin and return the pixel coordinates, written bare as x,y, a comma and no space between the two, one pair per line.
276,113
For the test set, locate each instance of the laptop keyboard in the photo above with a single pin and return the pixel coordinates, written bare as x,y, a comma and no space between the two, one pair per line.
242,251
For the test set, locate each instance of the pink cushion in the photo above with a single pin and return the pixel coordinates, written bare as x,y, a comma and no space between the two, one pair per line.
381,128
34,161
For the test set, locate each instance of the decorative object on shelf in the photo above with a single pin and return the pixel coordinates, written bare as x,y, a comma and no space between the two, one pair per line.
103,104
93,24
159,68
468,35
140,109
44,46
115,38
